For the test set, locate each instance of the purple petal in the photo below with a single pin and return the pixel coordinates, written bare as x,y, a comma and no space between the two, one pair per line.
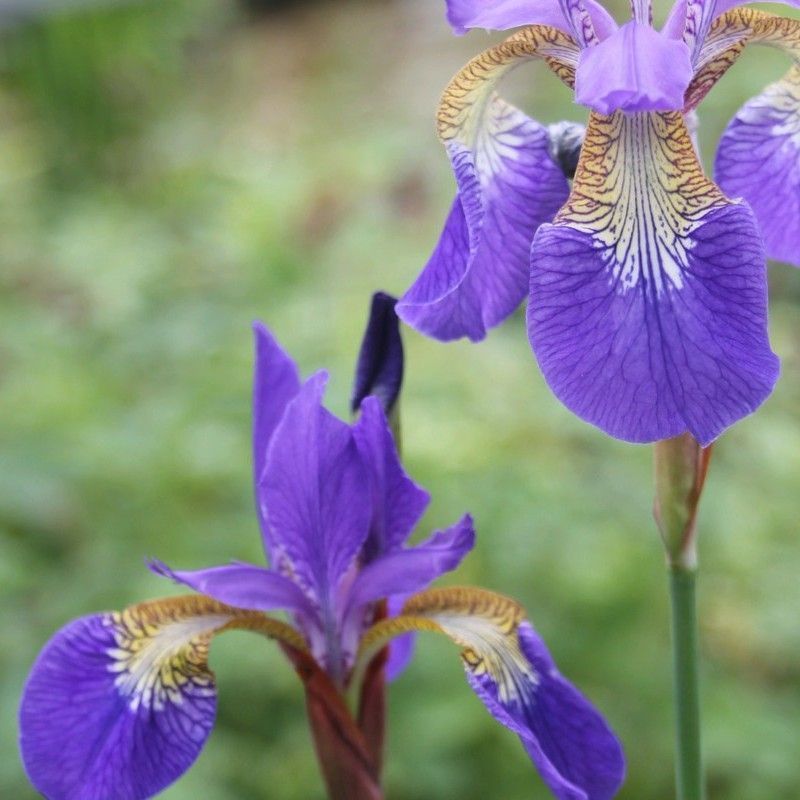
693,21
676,20
723,6
575,751
379,371
506,14
511,671
412,569
648,310
508,185
243,585
697,16
759,159
635,69
120,705
401,649
275,383
315,495
398,502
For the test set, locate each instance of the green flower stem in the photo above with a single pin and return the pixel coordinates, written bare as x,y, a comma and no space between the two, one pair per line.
689,767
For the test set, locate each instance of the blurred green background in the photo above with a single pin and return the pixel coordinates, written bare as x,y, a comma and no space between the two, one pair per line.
172,170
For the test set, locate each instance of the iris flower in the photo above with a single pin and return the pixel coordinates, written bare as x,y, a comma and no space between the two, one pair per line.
646,280
119,704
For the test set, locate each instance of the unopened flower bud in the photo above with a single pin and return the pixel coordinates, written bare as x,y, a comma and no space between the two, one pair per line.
379,370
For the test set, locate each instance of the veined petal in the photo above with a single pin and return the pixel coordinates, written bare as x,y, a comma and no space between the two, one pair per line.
635,69
759,155
397,501
413,568
315,494
693,20
697,18
510,669
508,184
120,704
275,383
648,309
721,48
246,586
759,159
501,15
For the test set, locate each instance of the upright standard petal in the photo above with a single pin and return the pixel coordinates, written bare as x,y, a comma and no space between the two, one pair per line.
512,672
275,382
724,6
759,155
648,309
397,501
694,20
315,495
379,370
508,185
635,69
501,15
120,704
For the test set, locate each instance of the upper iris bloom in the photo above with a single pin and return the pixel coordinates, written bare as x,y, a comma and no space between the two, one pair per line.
118,705
647,284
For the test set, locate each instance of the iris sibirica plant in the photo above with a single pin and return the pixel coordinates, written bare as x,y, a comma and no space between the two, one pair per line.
646,280
119,704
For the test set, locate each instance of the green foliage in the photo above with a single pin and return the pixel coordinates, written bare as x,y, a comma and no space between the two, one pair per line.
173,174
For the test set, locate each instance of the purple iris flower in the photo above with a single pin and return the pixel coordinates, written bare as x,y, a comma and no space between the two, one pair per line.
646,280
118,705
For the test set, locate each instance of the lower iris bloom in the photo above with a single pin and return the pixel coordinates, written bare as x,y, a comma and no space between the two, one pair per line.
647,283
118,705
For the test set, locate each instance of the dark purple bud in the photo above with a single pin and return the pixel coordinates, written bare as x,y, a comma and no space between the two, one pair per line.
379,370
566,140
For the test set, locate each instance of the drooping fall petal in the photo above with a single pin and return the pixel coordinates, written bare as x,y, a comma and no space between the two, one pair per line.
508,185
758,157
512,672
120,704
648,305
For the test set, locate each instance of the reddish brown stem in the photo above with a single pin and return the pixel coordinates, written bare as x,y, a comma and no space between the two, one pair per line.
372,708
345,758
